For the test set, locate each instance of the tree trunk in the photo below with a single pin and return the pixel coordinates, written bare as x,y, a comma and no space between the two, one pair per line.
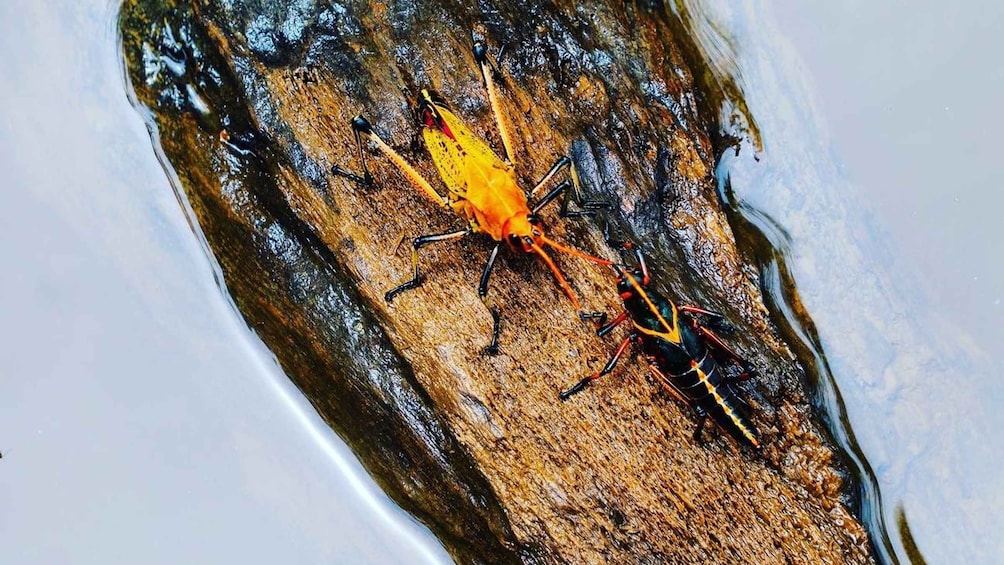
250,104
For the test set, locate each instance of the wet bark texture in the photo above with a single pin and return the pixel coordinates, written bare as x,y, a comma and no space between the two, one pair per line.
250,102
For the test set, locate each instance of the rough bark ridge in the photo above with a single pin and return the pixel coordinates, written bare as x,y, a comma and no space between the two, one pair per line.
250,104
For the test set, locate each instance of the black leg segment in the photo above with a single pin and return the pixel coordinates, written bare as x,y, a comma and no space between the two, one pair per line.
493,347
589,207
581,385
487,273
417,244
360,126
558,165
701,418
597,317
607,328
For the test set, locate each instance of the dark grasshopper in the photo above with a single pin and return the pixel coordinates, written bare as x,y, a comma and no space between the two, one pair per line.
684,354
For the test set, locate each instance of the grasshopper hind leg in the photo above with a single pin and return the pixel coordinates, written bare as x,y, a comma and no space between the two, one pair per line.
488,72
360,127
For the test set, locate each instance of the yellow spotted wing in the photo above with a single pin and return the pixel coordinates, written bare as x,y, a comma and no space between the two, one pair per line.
457,157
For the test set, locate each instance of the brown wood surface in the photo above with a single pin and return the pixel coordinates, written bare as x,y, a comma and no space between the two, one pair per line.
480,447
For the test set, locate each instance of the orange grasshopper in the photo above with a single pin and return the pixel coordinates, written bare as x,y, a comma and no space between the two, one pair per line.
482,188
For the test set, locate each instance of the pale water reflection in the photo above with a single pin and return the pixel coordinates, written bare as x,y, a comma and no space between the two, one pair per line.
879,123
140,421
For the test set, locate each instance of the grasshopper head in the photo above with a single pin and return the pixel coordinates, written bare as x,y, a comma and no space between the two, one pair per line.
522,234
631,282
430,104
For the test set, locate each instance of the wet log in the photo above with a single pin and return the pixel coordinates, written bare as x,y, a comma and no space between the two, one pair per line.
249,104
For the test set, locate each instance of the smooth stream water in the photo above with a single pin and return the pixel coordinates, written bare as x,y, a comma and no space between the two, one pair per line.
140,420
879,123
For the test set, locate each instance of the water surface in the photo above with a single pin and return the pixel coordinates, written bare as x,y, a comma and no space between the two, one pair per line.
140,421
877,178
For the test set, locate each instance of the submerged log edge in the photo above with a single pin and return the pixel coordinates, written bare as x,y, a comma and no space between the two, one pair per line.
249,105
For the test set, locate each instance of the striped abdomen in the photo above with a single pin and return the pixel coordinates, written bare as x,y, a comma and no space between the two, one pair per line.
680,357
703,386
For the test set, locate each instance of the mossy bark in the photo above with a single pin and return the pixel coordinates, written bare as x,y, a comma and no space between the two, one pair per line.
250,104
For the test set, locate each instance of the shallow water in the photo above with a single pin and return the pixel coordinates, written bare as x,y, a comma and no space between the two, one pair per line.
140,420
877,180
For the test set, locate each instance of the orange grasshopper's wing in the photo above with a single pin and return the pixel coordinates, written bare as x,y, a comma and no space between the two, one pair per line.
474,145
449,158
454,148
